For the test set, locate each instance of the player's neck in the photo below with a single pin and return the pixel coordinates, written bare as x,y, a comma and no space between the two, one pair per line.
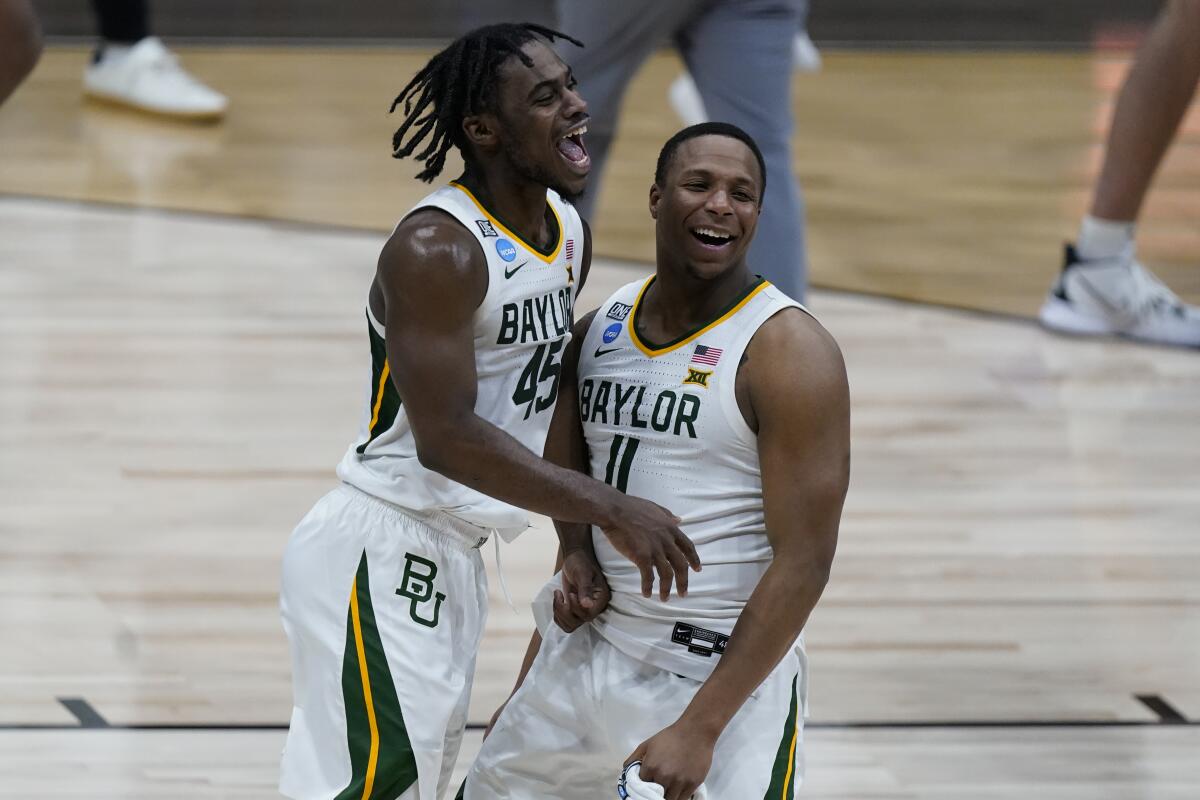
678,302
517,202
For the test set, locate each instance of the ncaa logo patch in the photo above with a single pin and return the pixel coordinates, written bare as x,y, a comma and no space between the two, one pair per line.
611,332
506,249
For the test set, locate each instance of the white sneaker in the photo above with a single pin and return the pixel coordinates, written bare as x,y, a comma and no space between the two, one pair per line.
685,99
1118,296
148,76
805,56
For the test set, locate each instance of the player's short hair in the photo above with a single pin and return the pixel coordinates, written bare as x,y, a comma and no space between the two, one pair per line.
459,81
708,129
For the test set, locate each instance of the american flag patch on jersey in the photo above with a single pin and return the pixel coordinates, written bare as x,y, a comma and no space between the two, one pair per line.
706,355
570,249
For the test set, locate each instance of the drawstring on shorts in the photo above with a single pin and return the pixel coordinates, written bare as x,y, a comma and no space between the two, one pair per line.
500,572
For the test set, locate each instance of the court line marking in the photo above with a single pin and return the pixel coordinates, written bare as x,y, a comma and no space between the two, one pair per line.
82,710
479,726
1167,713
1168,716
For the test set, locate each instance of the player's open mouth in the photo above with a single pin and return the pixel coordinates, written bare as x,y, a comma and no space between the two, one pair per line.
712,238
570,147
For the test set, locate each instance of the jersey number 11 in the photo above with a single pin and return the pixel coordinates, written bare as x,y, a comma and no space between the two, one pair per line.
620,459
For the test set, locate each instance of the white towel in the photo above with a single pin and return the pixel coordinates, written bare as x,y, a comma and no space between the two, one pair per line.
632,787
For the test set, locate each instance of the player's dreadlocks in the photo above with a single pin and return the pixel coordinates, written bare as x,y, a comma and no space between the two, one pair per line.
458,82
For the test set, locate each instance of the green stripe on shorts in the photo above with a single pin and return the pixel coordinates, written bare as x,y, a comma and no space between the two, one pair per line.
783,786
381,756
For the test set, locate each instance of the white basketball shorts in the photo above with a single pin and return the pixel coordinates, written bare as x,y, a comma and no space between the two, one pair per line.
383,611
585,706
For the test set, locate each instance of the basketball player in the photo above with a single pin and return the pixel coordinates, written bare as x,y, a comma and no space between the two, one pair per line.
384,594
707,389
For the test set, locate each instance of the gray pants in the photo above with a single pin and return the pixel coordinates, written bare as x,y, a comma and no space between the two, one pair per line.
740,54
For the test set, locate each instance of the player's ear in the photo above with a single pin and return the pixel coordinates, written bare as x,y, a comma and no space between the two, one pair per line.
655,199
480,130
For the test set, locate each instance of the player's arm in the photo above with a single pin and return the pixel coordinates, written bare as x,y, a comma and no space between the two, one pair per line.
801,407
431,278
584,592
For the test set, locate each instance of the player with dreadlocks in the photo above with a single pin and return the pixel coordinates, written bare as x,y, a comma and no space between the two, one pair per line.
384,593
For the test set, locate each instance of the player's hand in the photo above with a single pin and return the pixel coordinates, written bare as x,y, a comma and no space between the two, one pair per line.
677,758
584,592
649,536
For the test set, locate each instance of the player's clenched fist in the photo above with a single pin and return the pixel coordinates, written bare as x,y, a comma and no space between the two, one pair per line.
670,765
584,592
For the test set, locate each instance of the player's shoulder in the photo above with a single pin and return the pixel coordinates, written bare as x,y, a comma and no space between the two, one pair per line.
793,329
431,231
431,242
793,345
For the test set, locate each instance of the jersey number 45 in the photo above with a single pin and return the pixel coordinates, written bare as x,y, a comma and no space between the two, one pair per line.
545,365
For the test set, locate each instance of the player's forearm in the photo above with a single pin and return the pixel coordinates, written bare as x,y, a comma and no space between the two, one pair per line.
574,536
766,630
565,447
477,454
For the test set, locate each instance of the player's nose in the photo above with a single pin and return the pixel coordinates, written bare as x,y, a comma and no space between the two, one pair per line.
718,202
575,106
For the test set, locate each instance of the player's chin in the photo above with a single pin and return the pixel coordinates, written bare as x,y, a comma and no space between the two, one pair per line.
572,183
569,191
708,270
708,264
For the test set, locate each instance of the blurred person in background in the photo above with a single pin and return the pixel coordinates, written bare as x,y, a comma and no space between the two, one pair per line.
133,68
685,95
1103,289
20,44
740,55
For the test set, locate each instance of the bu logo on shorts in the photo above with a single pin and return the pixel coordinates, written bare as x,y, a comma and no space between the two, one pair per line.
417,585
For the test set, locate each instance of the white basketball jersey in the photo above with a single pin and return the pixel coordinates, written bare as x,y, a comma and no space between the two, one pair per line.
521,329
662,422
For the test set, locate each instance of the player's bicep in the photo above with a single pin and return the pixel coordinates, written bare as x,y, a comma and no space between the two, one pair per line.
803,411
432,281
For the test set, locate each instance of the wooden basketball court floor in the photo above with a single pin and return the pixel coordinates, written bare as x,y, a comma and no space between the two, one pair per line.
1013,610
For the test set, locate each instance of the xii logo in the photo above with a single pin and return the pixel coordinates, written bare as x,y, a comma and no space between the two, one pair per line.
697,377
417,585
